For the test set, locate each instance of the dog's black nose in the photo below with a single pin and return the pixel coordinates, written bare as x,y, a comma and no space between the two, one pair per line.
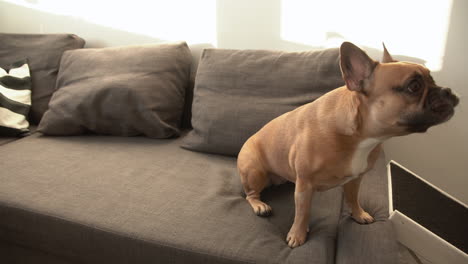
441,100
447,93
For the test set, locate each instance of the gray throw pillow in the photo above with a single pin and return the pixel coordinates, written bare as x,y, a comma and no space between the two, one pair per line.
239,91
43,52
121,91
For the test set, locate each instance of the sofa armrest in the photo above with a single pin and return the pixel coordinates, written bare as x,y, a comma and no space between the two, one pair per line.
374,243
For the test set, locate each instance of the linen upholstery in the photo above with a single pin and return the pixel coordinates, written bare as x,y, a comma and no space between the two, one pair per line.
239,91
43,52
122,91
138,200
196,50
12,253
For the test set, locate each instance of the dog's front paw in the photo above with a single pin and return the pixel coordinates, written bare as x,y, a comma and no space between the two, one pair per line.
362,217
260,208
296,237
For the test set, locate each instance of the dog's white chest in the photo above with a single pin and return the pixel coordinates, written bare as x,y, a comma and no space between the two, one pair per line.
361,154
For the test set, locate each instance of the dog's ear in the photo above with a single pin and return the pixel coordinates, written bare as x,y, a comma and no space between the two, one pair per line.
356,66
386,55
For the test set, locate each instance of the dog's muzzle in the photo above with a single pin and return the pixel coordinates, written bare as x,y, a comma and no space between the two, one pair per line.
441,102
438,108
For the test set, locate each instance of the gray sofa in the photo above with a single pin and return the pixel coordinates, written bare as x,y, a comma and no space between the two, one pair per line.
111,199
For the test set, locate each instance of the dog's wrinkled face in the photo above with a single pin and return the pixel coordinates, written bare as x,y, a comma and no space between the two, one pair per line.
410,98
401,97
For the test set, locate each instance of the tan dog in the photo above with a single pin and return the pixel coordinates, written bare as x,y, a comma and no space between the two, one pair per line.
336,139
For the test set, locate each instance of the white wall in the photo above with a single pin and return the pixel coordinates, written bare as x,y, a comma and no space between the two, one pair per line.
433,31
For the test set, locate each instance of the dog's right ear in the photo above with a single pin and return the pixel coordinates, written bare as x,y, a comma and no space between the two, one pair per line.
386,55
356,66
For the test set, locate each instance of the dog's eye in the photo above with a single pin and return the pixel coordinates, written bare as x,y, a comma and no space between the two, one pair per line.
414,86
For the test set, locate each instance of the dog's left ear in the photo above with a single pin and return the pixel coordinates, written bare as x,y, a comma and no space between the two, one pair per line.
386,55
356,66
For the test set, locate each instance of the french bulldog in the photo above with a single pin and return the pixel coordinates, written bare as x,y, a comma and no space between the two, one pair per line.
337,138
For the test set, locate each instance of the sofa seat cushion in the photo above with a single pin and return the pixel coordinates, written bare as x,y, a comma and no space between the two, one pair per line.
6,140
138,200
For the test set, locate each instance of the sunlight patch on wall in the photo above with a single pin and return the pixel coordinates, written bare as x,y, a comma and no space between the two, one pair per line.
193,21
416,28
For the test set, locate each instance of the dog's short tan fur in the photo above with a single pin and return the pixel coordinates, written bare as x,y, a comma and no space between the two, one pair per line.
337,138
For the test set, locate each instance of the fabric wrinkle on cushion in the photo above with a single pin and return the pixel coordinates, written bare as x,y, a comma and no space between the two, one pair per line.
122,91
239,91
43,52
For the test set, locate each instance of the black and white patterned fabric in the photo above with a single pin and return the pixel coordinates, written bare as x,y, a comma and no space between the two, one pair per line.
15,99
